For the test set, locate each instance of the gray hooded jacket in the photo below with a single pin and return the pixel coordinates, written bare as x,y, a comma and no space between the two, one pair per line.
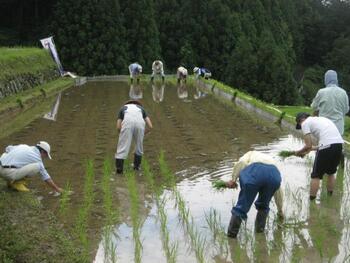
332,101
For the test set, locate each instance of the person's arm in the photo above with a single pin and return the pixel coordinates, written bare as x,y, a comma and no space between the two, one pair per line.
316,102
279,203
119,125
307,146
149,125
237,168
51,183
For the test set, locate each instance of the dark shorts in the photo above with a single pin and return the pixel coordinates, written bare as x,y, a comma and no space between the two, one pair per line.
327,160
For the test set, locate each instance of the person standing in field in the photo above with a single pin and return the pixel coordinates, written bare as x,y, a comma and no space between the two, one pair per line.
135,71
131,123
258,175
328,150
21,161
181,74
157,69
331,102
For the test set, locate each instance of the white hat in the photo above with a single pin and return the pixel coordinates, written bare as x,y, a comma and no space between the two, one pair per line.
195,69
45,146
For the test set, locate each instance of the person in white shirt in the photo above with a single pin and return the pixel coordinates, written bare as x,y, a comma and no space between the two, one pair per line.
135,71
20,161
258,175
332,101
181,74
157,69
329,149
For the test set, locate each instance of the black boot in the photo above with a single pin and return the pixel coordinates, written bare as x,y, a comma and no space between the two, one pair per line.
152,78
260,221
119,163
234,225
163,79
137,161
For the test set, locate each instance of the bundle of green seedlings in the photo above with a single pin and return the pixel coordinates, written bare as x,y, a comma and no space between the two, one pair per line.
198,242
110,213
285,154
169,248
135,217
84,211
219,184
65,198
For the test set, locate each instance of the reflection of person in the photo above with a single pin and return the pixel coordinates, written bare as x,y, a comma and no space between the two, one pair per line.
135,92
182,91
332,101
158,92
135,71
157,69
258,174
199,94
131,123
21,161
202,72
329,149
181,74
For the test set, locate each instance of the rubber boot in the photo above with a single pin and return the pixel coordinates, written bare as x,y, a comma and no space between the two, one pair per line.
119,163
234,225
152,78
260,221
163,79
19,186
137,161
131,80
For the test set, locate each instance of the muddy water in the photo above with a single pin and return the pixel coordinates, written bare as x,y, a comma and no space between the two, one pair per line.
201,138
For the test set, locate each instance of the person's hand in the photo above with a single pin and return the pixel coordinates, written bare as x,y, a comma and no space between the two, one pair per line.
280,216
231,184
297,153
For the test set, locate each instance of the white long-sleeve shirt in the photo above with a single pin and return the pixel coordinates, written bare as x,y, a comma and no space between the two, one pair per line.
21,155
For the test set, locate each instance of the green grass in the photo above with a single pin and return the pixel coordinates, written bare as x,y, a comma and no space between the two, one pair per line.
15,61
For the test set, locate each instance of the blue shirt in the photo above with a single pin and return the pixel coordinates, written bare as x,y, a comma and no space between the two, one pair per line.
22,155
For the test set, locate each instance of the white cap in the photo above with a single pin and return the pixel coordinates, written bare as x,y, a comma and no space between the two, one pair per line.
45,146
195,69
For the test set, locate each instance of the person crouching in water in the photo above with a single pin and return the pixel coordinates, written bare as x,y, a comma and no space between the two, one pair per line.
257,174
181,74
131,124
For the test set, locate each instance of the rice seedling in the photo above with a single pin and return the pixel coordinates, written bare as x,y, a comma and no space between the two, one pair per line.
111,214
135,218
65,198
219,184
169,248
81,224
198,243
218,230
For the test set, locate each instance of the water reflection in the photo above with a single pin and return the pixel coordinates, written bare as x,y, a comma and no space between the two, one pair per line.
182,92
158,92
199,93
135,92
52,115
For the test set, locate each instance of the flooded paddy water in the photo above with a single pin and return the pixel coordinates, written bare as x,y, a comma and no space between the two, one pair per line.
200,137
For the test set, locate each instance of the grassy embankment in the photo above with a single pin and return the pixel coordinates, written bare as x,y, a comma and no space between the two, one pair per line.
19,107
29,233
286,113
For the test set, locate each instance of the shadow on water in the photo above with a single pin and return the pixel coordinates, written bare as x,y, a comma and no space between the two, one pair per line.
201,138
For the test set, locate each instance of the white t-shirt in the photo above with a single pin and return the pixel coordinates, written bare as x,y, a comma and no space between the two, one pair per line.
323,129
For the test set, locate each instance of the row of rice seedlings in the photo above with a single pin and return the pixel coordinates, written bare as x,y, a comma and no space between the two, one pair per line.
65,198
111,215
169,248
81,224
213,219
198,242
135,217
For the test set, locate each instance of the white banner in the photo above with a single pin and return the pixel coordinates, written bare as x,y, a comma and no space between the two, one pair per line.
50,45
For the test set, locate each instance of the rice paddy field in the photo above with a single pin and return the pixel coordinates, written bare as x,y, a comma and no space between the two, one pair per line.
169,211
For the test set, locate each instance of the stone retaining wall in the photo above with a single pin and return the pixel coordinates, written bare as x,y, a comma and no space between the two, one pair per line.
14,84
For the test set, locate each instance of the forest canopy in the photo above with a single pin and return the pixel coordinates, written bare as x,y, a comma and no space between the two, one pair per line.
275,50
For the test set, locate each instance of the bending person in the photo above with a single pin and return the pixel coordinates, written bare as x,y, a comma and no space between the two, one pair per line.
20,161
131,124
